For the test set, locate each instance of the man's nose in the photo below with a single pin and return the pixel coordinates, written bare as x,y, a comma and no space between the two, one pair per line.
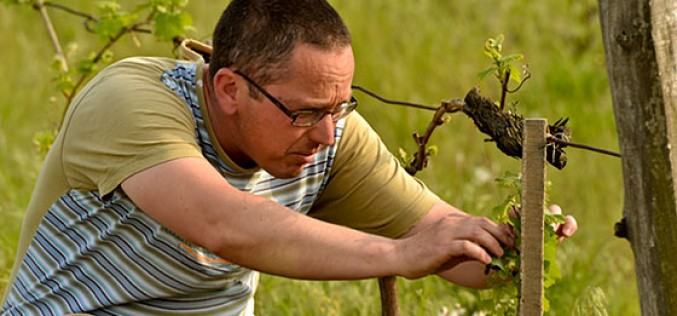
322,132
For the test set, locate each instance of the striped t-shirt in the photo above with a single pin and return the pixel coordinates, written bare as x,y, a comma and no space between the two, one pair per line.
109,252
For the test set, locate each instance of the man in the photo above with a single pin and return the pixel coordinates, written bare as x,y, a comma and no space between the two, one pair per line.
171,182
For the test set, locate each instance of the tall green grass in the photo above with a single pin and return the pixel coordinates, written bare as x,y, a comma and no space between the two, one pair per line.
422,51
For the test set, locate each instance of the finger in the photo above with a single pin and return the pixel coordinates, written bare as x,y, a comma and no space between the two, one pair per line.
490,236
480,230
555,209
514,212
511,230
503,233
453,263
463,250
567,229
570,226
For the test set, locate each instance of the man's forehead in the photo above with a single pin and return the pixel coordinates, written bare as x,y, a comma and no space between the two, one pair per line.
334,61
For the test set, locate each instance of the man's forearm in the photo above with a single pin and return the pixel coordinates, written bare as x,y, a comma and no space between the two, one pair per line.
276,240
189,198
469,274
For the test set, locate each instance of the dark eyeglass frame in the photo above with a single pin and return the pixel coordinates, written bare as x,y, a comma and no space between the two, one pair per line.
342,110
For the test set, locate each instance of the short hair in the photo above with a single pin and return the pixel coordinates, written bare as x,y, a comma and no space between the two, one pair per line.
258,36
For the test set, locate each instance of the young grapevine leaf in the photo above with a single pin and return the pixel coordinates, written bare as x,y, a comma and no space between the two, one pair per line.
502,297
171,24
112,20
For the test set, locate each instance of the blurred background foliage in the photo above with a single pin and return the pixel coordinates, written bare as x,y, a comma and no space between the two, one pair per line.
420,51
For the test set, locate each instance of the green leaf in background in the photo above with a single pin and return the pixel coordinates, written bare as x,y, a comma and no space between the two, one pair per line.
43,141
511,58
552,219
112,20
510,180
486,72
432,150
63,80
168,4
169,20
493,47
551,270
593,302
86,65
169,25
515,73
502,211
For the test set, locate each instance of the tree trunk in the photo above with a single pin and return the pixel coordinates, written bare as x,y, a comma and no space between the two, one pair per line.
641,48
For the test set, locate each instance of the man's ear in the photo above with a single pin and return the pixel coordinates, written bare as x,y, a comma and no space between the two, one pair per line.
226,90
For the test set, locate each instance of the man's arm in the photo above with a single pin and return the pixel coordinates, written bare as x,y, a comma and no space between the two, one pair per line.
191,199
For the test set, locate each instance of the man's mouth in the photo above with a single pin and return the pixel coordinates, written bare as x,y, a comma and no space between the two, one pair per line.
306,156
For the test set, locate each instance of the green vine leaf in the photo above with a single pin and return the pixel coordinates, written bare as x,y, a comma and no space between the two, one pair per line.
552,219
112,21
405,159
87,65
485,73
510,180
63,80
432,150
515,74
171,24
43,141
505,279
169,20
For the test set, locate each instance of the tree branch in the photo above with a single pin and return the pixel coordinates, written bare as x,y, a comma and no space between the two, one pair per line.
421,156
69,10
40,6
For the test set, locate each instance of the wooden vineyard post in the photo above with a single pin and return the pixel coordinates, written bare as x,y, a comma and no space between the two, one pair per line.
641,58
532,217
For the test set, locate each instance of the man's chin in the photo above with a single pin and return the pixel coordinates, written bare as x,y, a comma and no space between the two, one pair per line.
286,173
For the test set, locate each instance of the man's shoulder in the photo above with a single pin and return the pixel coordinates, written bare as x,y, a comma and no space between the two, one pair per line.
128,85
143,65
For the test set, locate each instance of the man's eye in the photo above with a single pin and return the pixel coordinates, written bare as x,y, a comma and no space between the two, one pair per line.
308,114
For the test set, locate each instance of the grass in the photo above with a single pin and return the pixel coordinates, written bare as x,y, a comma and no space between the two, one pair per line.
421,51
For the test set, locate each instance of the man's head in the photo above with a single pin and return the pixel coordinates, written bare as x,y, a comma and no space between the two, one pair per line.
297,54
257,37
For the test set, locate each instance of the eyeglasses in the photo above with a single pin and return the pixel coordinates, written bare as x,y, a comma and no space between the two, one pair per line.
305,118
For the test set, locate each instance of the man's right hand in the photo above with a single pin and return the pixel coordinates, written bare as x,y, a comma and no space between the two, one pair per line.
447,237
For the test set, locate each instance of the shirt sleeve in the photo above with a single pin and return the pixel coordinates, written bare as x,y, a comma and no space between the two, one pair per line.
125,120
368,190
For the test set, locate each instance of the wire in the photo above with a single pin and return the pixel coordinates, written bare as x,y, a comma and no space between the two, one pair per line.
432,108
384,100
